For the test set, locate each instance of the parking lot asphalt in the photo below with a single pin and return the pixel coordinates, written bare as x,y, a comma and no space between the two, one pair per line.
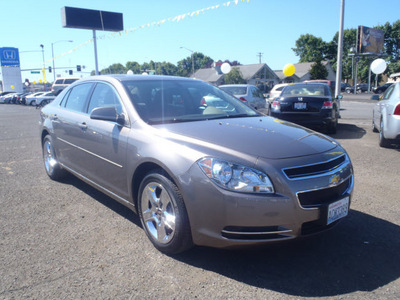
65,240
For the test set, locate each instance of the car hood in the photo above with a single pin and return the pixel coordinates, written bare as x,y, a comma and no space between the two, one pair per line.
256,136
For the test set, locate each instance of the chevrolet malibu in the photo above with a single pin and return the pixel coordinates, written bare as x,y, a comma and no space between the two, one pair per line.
196,173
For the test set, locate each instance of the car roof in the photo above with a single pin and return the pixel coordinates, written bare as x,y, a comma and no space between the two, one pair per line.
122,77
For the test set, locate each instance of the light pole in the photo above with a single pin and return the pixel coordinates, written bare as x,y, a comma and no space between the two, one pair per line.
192,58
52,54
44,68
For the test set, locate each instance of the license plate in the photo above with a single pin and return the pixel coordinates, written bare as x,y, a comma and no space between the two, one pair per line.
300,105
338,210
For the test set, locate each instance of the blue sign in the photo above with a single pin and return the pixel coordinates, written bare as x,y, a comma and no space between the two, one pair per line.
9,57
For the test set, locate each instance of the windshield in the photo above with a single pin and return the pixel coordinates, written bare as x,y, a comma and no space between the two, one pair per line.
168,101
306,90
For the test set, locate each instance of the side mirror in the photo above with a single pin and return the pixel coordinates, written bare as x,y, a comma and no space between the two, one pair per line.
375,97
266,96
108,113
340,97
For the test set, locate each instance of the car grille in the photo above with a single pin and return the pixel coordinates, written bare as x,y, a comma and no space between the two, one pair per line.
315,169
323,196
256,233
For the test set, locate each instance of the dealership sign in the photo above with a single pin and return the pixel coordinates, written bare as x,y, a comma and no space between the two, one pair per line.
9,57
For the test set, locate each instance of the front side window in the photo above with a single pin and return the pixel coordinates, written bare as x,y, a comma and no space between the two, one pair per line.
77,97
168,101
104,96
388,92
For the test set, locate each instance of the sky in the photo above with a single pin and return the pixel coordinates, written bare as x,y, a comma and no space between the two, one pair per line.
156,30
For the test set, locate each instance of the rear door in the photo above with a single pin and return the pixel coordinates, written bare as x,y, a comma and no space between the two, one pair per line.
70,127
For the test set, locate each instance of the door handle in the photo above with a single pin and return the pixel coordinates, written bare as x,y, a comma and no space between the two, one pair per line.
83,125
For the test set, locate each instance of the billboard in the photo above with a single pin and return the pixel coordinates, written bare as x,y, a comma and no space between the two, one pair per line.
9,57
370,40
73,17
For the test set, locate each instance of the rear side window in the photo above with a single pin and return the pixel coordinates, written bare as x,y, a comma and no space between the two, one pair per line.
59,81
77,97
70,80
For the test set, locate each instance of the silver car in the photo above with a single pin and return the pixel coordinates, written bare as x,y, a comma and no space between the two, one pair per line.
386,116
196,174
247,93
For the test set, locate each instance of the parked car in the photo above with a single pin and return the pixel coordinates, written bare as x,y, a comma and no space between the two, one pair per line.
386,116
7,98
205,176
361,88
31,99
380,89
247,93
307,104
16,98
344,86
276,91
44,99
62,83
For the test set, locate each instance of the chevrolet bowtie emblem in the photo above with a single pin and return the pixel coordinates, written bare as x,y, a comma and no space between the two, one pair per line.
300,99
334,179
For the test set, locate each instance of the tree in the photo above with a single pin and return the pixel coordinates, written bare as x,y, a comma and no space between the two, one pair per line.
133,66
310,48
234,77
200,62
318,71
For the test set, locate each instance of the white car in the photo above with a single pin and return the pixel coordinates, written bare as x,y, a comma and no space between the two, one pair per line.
31,99
386,116
45,98
276,91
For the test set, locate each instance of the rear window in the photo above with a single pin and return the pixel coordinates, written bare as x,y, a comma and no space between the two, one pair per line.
59,81
235,90
306,90
70,80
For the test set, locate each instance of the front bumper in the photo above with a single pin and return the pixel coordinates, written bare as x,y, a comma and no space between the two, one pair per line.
221,218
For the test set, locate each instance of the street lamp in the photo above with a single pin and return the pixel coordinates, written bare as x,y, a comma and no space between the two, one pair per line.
52,54
44,68
192,58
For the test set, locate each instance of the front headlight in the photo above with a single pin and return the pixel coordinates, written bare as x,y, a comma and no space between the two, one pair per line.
236,177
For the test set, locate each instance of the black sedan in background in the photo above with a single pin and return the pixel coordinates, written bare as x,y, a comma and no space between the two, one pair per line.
307,104
380,89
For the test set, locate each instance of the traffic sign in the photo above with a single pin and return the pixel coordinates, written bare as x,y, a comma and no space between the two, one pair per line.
35,72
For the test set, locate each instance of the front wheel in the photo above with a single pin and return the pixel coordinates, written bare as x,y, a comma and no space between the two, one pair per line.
163,214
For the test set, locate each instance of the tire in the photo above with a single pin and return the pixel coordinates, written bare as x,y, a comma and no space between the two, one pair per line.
51,164
332,127
33,103
383,142
159,199
373,124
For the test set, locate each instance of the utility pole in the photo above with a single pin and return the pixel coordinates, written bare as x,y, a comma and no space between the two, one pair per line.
259,54
339,53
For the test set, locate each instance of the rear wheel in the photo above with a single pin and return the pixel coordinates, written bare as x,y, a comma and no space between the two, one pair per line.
383,142
51,164
332,126
163,214
373,124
